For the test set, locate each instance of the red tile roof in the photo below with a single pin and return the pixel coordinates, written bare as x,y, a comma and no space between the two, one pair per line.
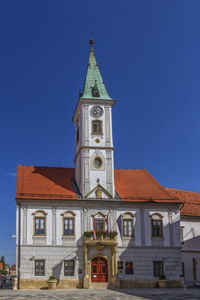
45,183
56,183
139,185
191,201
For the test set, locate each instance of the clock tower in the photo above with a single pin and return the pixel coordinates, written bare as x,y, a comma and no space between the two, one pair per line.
94,162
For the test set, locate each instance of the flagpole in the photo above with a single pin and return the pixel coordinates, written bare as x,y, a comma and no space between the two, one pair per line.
115,222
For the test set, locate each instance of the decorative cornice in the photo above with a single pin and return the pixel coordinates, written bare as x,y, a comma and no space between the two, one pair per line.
92,147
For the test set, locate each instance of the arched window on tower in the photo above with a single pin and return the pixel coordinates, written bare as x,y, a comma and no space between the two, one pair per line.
97,127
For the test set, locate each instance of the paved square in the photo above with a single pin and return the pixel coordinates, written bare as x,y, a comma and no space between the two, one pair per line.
82,294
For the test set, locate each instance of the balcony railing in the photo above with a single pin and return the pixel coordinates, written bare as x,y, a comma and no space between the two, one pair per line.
100,236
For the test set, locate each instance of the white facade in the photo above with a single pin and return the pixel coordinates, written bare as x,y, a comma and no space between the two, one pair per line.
54,234
190,231
138,249
89,146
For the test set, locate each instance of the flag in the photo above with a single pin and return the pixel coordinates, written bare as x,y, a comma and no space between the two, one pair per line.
94,229
106,221
119,224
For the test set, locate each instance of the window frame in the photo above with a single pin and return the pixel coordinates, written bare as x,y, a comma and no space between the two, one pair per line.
99,124
39,214
125,268
73,229
156,269
102,221
77,134
156,217
39,260
73,271
126,228
181,234
120,266
98,216
128,217
69,215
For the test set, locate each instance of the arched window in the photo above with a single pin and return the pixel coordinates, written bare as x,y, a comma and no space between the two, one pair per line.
39,222
97,127
156,225
99,222
128,224
68,223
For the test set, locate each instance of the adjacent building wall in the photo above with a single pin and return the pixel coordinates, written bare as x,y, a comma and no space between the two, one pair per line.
191,249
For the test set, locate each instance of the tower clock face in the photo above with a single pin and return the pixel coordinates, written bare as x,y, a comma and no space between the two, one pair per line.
96,111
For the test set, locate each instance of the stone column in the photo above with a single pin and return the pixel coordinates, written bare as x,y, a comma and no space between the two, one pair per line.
113,218
86,277
53,226
107,126
85,220
114,278
85,128
24,241
115,260
112,262
142,227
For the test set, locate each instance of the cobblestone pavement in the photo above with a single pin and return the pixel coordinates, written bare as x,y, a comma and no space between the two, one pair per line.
136,294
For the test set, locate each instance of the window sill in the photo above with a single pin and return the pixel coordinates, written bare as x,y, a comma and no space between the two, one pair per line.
39,239
96,134
68,239
42,235
68,235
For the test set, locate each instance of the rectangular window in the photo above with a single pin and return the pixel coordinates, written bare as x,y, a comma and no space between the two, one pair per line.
39,225
77,135
68,226
194,268
97,127
183,269
181,234
156,228
39,267
120,266
158,269
99,224
127,227
129,268
69,267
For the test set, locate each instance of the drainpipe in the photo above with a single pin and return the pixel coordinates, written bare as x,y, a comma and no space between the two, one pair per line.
19,246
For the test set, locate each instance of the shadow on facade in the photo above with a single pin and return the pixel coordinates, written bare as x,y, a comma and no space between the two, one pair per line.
191,261
137,269
75,255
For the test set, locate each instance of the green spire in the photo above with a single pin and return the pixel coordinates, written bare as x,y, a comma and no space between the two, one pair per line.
94,87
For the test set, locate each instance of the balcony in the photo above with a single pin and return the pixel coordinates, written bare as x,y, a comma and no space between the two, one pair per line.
101,237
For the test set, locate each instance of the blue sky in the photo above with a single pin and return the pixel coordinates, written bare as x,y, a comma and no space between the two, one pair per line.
149,55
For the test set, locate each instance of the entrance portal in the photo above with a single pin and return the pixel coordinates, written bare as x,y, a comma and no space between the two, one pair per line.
99,270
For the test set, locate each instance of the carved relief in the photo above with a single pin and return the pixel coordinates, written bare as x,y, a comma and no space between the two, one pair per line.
98,193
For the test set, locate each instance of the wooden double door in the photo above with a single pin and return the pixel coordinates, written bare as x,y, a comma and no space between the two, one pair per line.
99,270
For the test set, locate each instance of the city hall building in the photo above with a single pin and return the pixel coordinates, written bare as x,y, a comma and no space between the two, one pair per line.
97,226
